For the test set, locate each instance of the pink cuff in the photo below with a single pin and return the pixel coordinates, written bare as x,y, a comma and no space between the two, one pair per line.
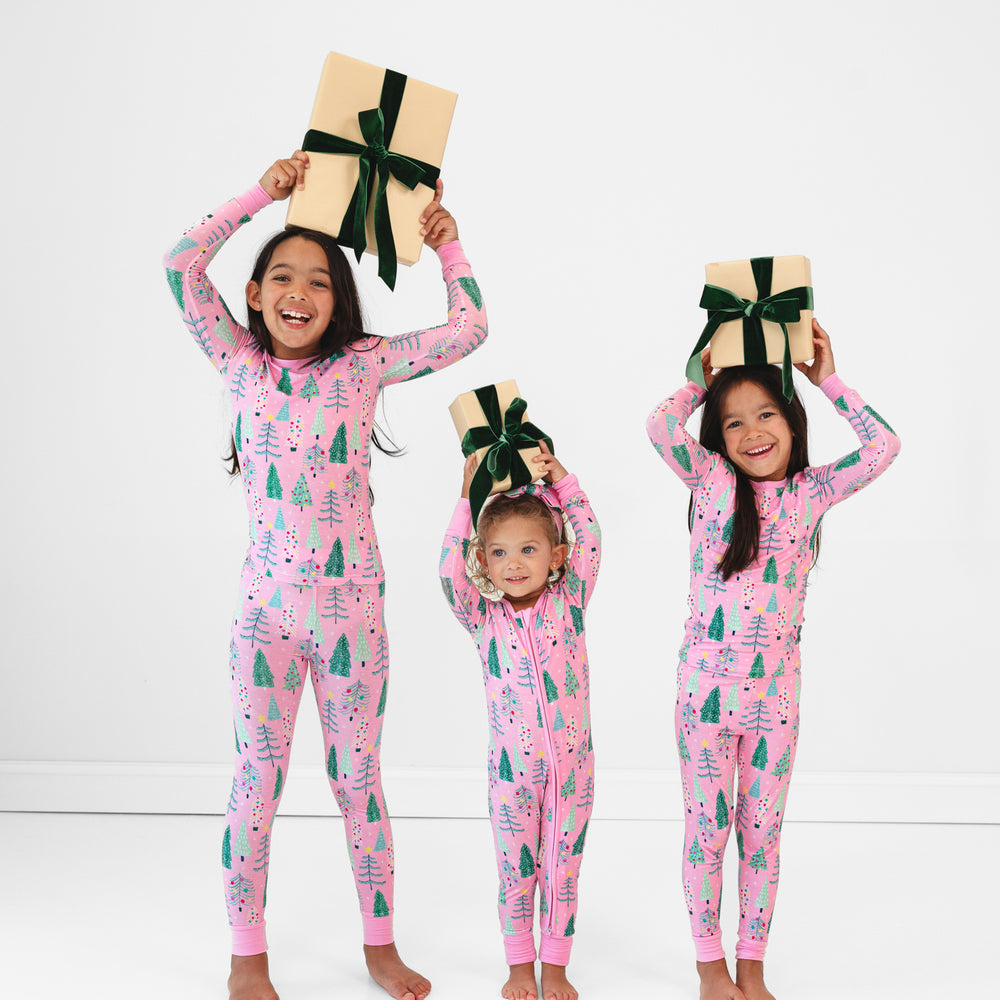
566,487
833,386
254,200
377,930
709,949
519,948
249,940
451,253
555,950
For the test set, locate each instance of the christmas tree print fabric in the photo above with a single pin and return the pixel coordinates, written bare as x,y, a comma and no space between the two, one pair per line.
738,680
540,759
312,581
285,638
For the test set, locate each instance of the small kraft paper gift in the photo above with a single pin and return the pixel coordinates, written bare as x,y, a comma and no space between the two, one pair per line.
491,422
759,312
375,142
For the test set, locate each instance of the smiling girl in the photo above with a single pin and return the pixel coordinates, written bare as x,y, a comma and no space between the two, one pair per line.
530,638
304,378
756,507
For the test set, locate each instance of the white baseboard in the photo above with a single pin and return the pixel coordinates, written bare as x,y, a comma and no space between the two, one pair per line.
862,796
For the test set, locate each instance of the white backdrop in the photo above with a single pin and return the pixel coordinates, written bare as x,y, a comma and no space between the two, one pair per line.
596,161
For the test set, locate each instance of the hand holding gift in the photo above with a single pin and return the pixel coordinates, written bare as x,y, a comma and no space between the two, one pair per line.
439,226
547,466
822,366
283,175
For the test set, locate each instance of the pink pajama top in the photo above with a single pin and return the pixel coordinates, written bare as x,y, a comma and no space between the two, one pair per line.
303,429
755,617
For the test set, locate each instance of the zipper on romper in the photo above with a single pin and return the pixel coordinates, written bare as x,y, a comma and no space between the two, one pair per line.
528,643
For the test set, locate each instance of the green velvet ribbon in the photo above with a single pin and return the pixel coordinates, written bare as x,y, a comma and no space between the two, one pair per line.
375,160
724,306
504,434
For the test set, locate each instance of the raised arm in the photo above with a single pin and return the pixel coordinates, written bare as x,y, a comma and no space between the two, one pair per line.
464,599
203,309
585,556
832,483
414,354
829,484
206,315
665,427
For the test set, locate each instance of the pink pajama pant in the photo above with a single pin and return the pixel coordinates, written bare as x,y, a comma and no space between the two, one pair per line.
734,726
539,829
283,637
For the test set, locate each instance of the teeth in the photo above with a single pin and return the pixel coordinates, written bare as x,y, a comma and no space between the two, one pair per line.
288,314
759,451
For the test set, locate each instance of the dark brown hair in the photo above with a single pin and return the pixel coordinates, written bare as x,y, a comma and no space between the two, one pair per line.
503,506
346,324
744,544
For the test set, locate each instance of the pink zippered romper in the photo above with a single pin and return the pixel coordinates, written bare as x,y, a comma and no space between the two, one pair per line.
541,755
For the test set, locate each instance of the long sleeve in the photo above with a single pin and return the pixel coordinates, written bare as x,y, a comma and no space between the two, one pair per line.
411,355
206,315
465,601
585,556
829,484
666,429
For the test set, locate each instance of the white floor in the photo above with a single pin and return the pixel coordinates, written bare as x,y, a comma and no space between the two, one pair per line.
131,907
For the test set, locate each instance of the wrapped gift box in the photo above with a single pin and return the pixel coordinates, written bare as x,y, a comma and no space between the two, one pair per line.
416,123
467,413
738,277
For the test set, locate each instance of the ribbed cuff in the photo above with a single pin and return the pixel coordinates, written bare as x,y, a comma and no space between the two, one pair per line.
254,200
753,950
451,253
377,930
555,950
250,939
709,949
520,947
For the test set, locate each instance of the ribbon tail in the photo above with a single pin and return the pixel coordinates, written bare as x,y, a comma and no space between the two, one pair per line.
359,238
787,388
383,230
693,370
479,491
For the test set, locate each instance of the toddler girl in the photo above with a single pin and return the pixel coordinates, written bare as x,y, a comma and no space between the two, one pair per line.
303,379
755,517
541,760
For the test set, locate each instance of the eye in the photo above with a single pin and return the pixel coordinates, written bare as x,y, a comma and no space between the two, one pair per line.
528,549
766,414
497,553
320,284
279,277
732,425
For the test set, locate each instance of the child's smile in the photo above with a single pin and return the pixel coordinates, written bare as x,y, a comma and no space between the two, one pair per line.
295,298
518,559
757,436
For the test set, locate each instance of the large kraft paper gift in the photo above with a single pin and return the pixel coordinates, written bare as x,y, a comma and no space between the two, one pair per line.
375,142
491,422
759,312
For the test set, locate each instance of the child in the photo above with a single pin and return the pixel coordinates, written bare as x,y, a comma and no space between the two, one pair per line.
541,760
755,517
304,380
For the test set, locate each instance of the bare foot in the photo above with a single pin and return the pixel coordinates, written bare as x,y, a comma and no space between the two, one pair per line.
248,978
521,985
387,969
716,983
750,979
555,985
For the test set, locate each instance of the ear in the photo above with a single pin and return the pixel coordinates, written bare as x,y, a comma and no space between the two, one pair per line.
253,296
481,558
558,556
